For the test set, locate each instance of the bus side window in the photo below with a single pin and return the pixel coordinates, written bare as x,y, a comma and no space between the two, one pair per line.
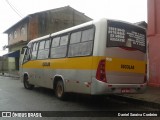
46,48
34,50
59,47
27,55
81,44
87,42
74,44
43,51
87,35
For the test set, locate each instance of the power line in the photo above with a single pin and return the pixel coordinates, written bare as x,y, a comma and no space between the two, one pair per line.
14,9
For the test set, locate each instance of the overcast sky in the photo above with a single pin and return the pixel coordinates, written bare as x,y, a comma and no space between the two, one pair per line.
126,10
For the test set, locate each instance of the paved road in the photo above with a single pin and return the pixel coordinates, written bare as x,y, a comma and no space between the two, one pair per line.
13,97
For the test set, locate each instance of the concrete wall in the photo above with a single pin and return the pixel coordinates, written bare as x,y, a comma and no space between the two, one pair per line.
48,22
154,42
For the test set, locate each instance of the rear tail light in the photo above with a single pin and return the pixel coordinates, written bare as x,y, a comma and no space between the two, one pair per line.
101,71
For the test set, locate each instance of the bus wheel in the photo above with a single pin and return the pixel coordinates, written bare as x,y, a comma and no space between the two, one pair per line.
26,83
59,90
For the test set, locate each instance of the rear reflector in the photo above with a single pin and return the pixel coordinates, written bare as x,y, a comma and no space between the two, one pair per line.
101,71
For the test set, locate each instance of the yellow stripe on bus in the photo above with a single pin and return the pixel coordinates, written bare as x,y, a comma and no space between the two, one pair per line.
125,65
89,63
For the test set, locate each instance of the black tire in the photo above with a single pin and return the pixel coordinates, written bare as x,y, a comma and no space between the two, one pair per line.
26,83
59,90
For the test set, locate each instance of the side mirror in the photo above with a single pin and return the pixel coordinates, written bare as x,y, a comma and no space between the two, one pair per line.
23,49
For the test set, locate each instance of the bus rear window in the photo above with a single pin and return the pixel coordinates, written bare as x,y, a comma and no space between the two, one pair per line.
126,35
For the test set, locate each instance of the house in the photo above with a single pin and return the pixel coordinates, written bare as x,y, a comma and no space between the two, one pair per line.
37,25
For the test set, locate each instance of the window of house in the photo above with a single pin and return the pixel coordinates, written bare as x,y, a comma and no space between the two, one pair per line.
10,36
23,31
43,51
15,34
81,46
59,47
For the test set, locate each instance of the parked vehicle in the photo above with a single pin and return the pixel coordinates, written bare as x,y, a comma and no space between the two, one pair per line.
95,58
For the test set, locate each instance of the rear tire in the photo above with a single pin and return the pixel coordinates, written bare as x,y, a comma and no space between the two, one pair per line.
26,83
59,90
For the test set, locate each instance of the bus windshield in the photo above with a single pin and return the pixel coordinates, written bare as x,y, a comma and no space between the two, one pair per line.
125,35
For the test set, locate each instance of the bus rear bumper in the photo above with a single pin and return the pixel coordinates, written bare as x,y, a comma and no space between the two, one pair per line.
102,88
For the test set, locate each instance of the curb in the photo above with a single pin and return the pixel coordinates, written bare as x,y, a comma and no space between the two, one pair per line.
17,77
137,101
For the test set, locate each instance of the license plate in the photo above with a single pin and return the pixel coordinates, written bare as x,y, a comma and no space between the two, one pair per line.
125,90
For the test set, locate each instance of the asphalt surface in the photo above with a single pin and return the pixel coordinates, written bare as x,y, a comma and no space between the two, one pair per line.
14,97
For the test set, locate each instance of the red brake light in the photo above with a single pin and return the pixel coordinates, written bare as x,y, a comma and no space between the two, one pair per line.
101,71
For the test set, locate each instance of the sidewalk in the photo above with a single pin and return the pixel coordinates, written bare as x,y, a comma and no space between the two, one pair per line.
9,75
151,97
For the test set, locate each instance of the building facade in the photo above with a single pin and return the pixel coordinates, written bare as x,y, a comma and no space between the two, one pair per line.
154,42
37,25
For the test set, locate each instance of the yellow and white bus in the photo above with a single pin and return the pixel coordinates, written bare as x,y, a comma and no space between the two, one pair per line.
95,58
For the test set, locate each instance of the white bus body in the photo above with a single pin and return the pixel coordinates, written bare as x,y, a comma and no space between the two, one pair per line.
95,58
